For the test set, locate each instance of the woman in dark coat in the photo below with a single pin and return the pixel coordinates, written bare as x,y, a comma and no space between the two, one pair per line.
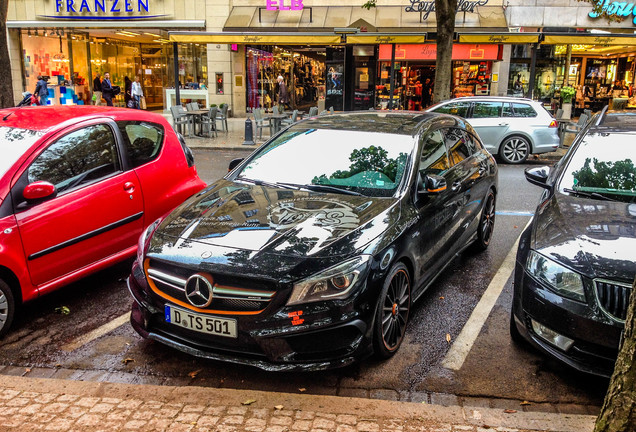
127,90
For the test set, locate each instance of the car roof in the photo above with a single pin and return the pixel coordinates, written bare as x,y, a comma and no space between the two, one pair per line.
618,121
390,122
492,99
43,119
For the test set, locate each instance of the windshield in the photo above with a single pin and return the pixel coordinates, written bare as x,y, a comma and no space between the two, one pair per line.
341,161
13,143
602,167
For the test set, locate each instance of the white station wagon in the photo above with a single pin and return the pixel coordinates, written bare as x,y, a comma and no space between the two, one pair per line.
511,128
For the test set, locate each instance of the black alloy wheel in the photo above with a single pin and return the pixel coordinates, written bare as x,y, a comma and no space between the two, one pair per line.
514,150
7,307
392,313
486,223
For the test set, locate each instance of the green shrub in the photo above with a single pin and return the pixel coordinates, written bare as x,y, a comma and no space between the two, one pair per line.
567,93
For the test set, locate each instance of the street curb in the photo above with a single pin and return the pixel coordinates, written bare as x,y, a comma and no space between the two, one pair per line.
484,418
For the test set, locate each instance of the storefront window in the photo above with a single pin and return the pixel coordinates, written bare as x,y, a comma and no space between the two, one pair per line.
302,72
47,56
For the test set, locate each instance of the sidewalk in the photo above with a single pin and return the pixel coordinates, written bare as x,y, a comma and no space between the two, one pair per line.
29,404
234,138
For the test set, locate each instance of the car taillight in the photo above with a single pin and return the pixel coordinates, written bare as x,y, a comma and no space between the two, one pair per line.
554,123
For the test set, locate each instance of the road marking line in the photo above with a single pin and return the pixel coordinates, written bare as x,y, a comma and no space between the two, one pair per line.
98,332
458,352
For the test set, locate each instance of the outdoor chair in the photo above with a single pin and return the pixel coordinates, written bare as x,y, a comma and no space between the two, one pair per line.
313,111
222,116
331,110
292,120
261,123
573,127
179,118
208,122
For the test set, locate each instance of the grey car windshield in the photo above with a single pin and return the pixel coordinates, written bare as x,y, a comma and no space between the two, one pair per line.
13,143
603,168
345,161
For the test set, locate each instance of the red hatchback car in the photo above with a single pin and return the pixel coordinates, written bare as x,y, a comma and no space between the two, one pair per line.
77,187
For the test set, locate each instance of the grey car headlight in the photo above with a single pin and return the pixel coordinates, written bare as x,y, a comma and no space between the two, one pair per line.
561,280
334,283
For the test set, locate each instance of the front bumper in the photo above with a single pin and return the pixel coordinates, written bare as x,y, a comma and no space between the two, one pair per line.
328,337
596,339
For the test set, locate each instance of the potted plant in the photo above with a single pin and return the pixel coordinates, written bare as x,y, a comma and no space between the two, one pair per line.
567,93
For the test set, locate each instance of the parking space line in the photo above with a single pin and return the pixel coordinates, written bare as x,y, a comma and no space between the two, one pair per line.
460,348
98,332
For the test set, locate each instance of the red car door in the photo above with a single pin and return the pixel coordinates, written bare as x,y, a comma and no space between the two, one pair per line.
97,211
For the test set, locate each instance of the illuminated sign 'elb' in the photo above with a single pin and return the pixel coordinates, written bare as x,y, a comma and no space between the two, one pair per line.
280,5
620,9
73,6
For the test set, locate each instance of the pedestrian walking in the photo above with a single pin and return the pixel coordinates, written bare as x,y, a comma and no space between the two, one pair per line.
128,100
427,91
41,90
136,92
97,90
283,94
107,89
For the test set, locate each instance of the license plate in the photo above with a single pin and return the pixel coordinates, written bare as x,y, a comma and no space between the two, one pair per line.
201,323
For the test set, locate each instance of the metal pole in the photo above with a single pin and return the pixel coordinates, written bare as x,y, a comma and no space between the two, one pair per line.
533,69
175,53
392,81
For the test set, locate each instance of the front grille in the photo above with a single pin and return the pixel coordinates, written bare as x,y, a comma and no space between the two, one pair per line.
613,298
240,296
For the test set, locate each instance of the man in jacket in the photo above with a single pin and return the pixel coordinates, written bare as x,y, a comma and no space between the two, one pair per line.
283,95
41,90
107,89
97,90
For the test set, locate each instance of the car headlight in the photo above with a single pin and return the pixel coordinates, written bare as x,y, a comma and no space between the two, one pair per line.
143,238
335,283
563,281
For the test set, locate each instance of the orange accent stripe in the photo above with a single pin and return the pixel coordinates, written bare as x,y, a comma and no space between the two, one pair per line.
436,190
189,306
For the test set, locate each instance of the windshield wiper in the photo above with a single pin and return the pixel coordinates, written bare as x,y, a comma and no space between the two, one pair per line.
265,183
321,187
588,194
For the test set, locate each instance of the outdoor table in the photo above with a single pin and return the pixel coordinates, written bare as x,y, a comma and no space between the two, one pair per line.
276,119
194,116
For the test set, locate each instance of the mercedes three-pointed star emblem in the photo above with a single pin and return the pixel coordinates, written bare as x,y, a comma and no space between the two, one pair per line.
198,290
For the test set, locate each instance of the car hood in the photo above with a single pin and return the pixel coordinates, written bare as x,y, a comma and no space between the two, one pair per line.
230,216
596,238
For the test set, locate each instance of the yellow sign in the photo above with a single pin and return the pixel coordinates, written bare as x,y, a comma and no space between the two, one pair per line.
499,38
593,39
260,39
386,39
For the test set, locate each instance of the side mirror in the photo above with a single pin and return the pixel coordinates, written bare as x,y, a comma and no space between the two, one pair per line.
234,163
39,190
434,184
538,176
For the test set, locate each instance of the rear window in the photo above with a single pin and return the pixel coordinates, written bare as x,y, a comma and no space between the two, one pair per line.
13,143
523,110
455,108
487,109
143,141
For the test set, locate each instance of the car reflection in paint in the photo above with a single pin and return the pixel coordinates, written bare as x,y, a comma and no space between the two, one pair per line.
309,254
575,263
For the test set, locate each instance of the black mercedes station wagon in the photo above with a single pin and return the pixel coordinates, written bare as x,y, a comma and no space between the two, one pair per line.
576,262
310,252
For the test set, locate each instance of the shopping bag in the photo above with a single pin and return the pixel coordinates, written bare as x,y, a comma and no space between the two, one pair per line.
94,97
142,102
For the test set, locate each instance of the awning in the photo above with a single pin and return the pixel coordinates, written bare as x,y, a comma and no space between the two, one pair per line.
289,38
386,38
499,38
383,19
108,24
588,39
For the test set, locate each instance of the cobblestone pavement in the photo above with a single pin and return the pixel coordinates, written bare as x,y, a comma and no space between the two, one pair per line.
31,404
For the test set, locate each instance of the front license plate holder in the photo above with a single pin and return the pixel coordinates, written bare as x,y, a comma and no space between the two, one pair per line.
202,323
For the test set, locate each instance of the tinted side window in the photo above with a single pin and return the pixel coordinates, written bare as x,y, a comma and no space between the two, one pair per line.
507,110
81,157
523,110
457,146
143,141
455,108
433,159
487,109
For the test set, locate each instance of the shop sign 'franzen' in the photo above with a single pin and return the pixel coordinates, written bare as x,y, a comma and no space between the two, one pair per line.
124,9
428,6
614,8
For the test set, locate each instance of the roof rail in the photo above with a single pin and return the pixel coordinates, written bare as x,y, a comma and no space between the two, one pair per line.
601,115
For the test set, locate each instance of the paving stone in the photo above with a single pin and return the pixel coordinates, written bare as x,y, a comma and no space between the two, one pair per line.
301,425
237,411
281,420
347,419
233,419
102,408
367,426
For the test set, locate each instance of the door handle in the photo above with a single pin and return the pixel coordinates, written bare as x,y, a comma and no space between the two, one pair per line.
503,124
129,187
